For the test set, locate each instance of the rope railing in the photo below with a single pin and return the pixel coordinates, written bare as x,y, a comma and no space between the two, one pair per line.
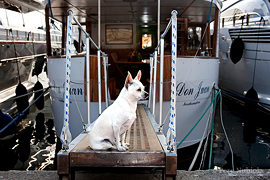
65,133
171,134
88,36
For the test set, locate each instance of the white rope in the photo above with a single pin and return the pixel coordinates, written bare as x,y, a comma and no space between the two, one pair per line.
200,145
171,133
221,120
204,149
65,136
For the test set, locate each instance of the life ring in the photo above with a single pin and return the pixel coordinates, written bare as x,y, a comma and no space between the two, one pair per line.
237,49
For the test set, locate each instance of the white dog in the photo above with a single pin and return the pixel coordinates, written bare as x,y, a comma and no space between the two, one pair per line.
110,128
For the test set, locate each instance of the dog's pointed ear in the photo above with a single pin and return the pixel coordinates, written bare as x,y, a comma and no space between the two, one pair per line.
128,80
139,75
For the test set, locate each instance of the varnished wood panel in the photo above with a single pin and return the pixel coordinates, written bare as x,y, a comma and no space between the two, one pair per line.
166,78
94,80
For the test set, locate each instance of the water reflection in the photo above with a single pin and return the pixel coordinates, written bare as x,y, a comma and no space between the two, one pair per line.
33,146
248,131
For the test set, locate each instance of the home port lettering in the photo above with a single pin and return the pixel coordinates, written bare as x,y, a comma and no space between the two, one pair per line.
183,90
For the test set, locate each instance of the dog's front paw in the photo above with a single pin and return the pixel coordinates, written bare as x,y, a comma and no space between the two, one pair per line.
126,145
121,148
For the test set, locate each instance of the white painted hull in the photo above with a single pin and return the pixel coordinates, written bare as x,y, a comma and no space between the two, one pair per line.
56,73
255,62
189,109
191,105
253,69
238,78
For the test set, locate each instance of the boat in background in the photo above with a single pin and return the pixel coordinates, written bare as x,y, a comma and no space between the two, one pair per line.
23,49
121,32
244,50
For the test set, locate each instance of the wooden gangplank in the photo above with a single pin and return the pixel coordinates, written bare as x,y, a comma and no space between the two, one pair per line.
147,150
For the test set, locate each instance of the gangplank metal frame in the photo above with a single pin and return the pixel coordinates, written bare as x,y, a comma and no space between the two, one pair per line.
79,155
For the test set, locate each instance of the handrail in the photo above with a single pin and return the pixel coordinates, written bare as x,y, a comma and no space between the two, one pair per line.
87,35
172,131
164,33
98,53
150,87
65,133
242,15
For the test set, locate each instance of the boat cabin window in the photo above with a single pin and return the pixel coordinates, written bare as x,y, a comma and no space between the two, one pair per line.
146,41
194,37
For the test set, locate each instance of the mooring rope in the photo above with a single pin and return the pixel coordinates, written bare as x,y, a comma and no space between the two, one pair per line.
199,119
22,113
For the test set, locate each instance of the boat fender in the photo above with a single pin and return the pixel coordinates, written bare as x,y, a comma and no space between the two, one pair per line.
252,94
22,102
5,119
40,102
23,149
237,49
249,128
40,127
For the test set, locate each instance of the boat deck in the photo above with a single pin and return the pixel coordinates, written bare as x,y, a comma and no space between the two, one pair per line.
147,150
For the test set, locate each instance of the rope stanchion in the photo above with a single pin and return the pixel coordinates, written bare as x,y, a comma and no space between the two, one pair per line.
65,136
171,133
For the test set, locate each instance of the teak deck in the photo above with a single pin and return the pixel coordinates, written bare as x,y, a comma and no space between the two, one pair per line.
146,150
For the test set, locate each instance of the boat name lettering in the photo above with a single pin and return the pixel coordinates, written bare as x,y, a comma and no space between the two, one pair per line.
182,90
75,91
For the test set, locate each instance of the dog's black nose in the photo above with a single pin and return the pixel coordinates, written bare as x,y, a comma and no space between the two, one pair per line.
145,95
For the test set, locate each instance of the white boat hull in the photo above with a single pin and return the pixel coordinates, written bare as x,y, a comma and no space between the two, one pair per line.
238,78
193,97
253,69
198,74
78,105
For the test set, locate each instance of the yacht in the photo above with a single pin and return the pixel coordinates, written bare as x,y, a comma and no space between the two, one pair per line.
244,50
126,33
23,49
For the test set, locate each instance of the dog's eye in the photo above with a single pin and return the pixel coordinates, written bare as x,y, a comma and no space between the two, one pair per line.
139,90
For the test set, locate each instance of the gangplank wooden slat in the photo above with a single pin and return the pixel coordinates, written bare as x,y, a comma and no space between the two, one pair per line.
141,131
145,149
